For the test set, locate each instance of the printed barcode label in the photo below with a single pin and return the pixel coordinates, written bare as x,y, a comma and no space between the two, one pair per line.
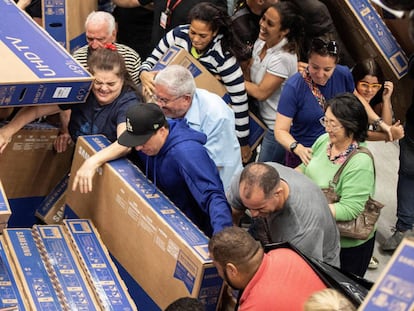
62,92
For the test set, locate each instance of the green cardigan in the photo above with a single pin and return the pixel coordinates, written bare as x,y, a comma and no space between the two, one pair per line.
355,185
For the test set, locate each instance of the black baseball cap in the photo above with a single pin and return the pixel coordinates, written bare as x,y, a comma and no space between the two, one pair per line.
142,121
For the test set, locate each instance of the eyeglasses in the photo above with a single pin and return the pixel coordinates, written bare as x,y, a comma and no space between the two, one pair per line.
366,85
328,124
330,46
164,101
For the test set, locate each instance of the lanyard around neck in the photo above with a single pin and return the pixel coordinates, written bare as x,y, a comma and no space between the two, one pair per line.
314,89
171,9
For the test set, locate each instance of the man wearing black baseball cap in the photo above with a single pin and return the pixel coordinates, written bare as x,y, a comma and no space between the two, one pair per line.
142,123
179,165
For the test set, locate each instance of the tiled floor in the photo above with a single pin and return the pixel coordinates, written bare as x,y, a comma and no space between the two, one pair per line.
386,163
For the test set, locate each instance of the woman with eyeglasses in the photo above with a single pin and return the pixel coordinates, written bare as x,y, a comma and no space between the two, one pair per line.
346,123
274,60
209,38
371,86
302,101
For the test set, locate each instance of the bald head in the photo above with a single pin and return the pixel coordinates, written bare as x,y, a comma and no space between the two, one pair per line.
259,175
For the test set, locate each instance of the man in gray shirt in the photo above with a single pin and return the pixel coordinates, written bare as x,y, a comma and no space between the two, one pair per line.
286,207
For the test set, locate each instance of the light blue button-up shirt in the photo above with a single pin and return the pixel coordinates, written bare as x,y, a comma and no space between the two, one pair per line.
210,115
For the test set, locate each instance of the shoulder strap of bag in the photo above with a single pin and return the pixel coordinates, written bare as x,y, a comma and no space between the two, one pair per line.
354,152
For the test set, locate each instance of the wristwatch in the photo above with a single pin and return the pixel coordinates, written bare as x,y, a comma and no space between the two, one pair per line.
293,146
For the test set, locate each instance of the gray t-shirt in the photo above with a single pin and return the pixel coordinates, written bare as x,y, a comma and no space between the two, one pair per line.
305,220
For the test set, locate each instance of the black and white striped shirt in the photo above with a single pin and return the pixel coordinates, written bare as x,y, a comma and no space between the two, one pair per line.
131,58
217,62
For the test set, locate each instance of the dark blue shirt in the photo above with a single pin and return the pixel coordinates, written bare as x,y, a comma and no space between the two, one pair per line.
92,118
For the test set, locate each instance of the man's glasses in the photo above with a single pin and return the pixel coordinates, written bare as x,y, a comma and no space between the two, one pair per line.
164,101
366,85
328,124
330,46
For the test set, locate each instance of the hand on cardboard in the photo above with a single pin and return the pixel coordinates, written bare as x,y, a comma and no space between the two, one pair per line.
4,140
23,3
84,176
147,82
62,142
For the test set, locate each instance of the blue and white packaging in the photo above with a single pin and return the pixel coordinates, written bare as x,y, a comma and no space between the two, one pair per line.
35,68
52,208
64,20
366,35
394,288
11,294
160,248
101,271
41,289
5,211
61,258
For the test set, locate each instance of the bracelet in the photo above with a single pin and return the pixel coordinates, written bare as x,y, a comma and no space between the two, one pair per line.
376,123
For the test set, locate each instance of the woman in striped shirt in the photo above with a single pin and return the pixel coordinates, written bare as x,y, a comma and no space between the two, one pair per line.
209,38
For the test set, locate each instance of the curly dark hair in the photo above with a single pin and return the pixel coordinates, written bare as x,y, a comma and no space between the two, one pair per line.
291,18
219,21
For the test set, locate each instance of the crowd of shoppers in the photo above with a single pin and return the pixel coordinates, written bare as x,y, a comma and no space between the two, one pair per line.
274,59
288,64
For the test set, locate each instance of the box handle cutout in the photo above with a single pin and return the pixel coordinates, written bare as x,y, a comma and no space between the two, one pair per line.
56,25
22,94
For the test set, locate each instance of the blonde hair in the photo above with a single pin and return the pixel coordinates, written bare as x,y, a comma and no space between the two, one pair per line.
328,299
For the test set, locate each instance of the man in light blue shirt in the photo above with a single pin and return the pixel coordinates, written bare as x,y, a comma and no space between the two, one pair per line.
178,97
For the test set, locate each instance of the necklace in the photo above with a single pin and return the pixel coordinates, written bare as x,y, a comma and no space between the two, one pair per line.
341,157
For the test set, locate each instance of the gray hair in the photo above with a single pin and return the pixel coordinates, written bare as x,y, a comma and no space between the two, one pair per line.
101,17
177,79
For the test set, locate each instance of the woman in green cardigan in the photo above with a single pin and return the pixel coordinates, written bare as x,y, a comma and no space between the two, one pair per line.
346,124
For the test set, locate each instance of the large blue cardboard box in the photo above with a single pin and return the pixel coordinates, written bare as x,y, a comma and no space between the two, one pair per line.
35,69
366,35
5,211
394,289
64,20
163,251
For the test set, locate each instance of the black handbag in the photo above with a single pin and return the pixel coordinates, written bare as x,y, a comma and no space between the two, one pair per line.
360,227
350,285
